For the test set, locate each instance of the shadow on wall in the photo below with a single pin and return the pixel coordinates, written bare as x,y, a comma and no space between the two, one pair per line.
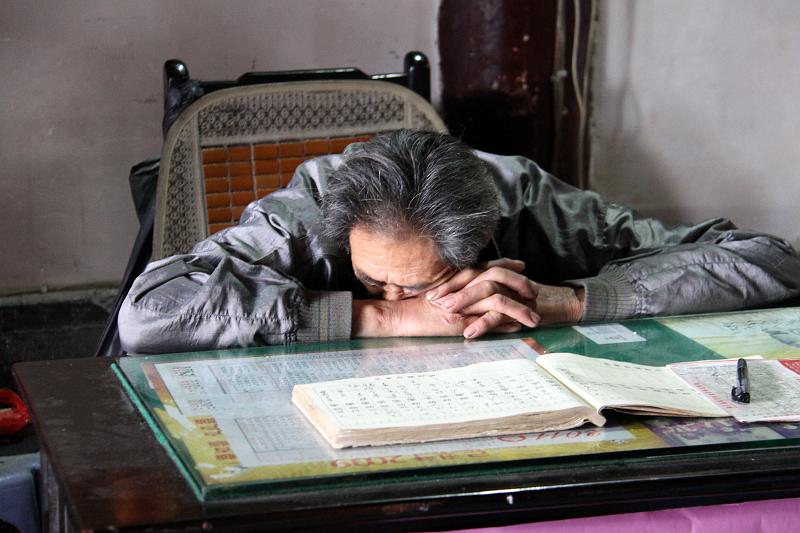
644,176
669,153
620,154
676,170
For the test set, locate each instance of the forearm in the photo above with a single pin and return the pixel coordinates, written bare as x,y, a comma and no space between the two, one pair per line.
186,303
264,281
560,305
371,318
738,271
413,317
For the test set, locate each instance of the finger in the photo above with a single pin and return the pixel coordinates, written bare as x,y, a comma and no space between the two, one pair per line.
469,295
455,283
487,322
509,307
504,262
422,318
513,280
460,280
455,318
508,327
489,296
444,316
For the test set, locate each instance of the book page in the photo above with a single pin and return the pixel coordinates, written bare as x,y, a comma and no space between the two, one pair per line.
476,392
606,383
774,387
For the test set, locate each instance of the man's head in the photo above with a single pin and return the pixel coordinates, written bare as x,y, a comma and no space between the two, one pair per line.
413,208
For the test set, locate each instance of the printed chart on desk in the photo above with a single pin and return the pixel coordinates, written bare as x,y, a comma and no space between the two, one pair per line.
771,333
231,420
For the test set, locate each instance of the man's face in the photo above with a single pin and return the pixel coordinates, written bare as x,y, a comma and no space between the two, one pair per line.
395,268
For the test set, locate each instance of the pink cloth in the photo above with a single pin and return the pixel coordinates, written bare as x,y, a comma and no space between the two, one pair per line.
778,516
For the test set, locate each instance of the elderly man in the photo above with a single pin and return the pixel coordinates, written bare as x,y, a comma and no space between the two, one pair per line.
413,233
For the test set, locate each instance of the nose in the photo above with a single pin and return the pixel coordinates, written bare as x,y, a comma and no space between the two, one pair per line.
392,293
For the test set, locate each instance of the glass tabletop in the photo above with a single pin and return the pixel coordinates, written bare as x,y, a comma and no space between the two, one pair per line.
273,447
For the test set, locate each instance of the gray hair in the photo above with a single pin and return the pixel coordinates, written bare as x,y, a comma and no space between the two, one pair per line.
427,183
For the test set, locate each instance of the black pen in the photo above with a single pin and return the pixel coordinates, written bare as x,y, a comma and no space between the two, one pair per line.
741,393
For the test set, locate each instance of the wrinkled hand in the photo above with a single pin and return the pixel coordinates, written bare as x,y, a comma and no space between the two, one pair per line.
502,299
499,296
413,317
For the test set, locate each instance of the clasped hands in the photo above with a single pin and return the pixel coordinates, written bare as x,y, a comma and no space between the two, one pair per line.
475,301
500,298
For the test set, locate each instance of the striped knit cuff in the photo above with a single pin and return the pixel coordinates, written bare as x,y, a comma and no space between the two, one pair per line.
609,296
327,316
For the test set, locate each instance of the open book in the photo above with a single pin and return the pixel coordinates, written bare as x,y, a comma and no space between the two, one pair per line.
556,391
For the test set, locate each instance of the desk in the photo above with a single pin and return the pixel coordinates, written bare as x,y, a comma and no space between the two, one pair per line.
103,468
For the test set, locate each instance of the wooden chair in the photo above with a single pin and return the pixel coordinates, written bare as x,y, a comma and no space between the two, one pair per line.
238,144
228,143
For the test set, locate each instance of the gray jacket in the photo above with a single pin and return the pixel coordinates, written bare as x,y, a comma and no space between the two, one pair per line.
273,279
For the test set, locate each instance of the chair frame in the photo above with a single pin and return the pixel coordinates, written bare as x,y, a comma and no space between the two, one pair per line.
416,76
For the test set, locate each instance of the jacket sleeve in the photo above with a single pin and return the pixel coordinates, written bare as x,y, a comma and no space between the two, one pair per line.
269,280
632,266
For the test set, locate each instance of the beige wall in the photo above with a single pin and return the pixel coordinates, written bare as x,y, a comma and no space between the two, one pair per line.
697,110
80,102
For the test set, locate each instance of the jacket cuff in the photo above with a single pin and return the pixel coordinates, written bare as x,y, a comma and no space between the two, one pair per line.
608,296
326,316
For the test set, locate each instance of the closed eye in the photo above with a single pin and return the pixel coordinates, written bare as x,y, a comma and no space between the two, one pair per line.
371,283
379,285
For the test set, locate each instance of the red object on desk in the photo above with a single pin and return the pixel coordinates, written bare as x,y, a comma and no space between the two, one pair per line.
15,418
